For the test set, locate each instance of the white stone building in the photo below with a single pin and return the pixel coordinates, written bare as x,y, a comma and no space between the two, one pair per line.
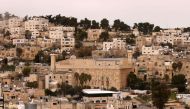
67,43
117,43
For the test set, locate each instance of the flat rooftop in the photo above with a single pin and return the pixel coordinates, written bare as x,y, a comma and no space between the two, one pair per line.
98,91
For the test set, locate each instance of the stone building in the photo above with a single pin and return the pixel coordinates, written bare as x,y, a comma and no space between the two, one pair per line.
105,72
94,34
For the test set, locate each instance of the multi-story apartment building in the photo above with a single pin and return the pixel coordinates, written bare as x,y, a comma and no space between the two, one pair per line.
44,42
171,31
165,39
36,23
117,43
28,53
8,53
151,50
20,42
67,43
62,28
105,72
14,22
3,24
153,66
56,35
94,34
17,30
35,33
53,79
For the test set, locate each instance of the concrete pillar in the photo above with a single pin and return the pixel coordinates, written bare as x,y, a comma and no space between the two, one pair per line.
129,55
53,61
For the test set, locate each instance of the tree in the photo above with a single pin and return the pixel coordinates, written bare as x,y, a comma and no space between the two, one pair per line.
186,29
104,24
131,79
166,77
104,36
157,29
179,64
76,75
95,25
160,94
136,83
65,89
42,57
81,35
116,24
7,15
1,17
174,66
124,27
32,84
83,78
121,26
25,18
26,71
85,52
179,81
49,93
146,28
7,33
113,89
28,34
78,44
131,40
86,24
64,54
19,52
137,53
73,22
5,61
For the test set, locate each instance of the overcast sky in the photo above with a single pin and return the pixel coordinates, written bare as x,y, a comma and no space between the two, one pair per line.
166,13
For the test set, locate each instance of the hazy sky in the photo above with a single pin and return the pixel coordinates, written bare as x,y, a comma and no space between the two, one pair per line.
166,13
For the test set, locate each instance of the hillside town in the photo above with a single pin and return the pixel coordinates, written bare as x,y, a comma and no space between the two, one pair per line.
59,62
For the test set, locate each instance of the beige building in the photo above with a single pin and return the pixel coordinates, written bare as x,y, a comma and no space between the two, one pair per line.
44,42
20,42
117,43
56,35
36,23
17,30
151,50
105,72
153,66
62,28
53,79
94,34
28,53
8,53
14,22
67,43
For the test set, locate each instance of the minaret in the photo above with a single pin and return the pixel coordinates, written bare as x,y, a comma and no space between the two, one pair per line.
53,61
